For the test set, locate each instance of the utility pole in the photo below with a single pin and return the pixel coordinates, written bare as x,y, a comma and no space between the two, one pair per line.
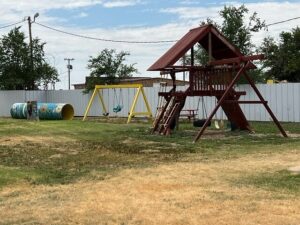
30,22
70,67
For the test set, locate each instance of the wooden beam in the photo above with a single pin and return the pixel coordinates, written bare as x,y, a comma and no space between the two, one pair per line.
209,48
220,102
199,93
110,86
192,56
237,60
245,102
266,105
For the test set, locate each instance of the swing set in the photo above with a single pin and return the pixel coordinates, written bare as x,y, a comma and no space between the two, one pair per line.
118,100
217,78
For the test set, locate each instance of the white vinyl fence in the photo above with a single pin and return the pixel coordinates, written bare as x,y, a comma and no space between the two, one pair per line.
283,99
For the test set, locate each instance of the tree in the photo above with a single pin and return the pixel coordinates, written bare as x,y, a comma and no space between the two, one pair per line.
283,58
16,70
108,68
237,30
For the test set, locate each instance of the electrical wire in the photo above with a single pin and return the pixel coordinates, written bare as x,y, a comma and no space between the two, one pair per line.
12,24
130,42
283,21
103,39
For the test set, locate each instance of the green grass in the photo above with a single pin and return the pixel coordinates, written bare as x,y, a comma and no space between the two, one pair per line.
10,175
96,150
279,181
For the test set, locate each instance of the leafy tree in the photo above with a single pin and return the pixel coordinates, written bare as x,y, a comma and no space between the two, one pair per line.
283,58
237,30
16,72
108,68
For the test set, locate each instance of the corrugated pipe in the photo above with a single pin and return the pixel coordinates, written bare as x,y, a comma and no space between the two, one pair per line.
46,111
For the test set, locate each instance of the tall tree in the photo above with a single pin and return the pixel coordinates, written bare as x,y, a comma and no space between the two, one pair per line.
237,30
283,58
16,70
108,67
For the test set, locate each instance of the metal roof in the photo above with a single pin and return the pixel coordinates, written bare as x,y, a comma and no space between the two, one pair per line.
221,47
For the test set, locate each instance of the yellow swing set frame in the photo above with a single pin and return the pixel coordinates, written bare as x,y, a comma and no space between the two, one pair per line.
132,113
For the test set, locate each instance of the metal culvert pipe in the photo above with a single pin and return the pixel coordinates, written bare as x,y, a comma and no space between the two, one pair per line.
55,111
19,111
46,111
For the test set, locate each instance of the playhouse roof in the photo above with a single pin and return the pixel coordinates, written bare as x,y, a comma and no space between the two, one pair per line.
221,47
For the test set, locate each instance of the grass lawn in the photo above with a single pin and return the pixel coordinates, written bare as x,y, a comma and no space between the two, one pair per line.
108,172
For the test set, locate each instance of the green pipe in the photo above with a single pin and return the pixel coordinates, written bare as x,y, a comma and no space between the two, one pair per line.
46,111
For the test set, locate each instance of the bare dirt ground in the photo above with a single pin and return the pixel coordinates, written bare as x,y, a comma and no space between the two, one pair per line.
20,139
177,193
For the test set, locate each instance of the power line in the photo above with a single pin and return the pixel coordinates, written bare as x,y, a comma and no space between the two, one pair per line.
103,39
134,42
283,21
12,24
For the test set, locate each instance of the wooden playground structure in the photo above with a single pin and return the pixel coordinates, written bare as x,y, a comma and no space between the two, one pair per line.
226,65
132,113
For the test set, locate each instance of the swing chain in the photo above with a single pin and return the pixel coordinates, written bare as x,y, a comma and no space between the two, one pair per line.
117,108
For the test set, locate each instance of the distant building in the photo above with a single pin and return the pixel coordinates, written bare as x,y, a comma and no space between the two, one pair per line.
145,81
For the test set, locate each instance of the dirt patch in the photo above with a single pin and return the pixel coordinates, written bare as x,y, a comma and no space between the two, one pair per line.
150,151
133,141
16,140
294,169
292,135
56,156
177,193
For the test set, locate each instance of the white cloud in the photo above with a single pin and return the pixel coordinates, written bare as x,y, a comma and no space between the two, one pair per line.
193,13
60,46
12,10
189,2
82,15
268,11
120,3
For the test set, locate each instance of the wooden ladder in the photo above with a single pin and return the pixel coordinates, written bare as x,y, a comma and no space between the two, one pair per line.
166,116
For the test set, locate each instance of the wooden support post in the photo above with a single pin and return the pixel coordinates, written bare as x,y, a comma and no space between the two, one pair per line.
229,88
133,105
89,105
102,102
192,56
209,48
173,76
266,105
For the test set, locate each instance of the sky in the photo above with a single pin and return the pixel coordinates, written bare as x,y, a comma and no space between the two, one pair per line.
130,20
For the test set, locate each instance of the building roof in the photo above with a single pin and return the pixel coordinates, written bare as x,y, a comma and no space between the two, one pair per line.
221,47
137,80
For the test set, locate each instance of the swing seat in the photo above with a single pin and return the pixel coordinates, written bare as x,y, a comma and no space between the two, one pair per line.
200,123
219,124
118,108
105,114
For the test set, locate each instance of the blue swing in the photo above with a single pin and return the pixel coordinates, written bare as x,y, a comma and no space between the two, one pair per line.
118,108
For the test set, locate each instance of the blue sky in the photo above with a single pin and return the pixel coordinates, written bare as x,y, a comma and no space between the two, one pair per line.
132,13
135,20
